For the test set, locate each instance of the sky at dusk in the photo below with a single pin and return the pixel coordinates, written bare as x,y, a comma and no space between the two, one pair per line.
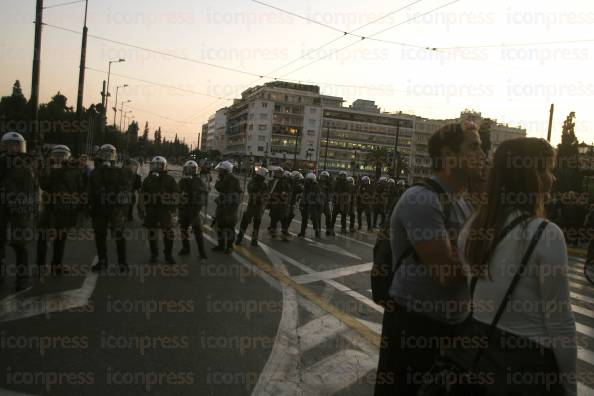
513,84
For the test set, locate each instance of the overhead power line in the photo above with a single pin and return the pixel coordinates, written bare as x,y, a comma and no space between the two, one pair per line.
371,36
526,44
158,84
63,4
160,116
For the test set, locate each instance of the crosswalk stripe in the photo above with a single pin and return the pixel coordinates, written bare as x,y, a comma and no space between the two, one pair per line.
318,331
337,372
332,274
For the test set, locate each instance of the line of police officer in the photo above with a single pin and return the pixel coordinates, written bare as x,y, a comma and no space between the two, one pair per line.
107,195
315,197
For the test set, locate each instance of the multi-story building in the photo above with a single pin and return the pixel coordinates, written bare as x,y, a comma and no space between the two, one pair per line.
295,126
215,135
202,137
361,139
276,123
425,127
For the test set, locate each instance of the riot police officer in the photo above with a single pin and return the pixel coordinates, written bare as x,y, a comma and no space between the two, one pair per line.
193,196
108,198
227,202
311,204
341,201
296,196
379,202
364,200
159,200
391,196
63,186
352,201
136,184
18,204
325,186
258,195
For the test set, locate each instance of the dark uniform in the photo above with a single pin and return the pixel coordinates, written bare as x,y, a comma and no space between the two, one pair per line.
379,204
193,195
341,202
258,196
296,196
364,200
160,198
325,186
311,205
62,201
109,197
136,185
227,202
18,207
279,203
391,198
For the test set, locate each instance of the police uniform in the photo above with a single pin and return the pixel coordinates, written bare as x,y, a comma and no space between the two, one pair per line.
258,196
62,198
18,208
193,195
227,202
109,199
341,202
364,201
311,205
160,198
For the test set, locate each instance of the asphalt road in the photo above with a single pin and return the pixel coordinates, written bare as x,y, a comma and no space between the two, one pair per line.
284,318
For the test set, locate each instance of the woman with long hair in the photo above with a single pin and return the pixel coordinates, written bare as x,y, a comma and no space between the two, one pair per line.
533,344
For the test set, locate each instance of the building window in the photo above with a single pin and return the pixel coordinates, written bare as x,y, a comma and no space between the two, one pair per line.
262,127
251,127
265,105
262,138
311,132
260,148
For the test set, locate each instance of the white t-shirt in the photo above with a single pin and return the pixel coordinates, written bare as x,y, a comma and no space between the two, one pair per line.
540,306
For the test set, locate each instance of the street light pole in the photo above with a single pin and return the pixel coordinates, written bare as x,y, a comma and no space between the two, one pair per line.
82,67
108,79
115,107
326,155
295,150
122,111
36,69
396,162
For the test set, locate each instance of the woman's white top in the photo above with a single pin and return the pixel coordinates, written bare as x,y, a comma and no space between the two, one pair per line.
540,306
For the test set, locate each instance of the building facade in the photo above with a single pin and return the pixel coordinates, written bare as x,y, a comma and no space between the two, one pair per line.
297,127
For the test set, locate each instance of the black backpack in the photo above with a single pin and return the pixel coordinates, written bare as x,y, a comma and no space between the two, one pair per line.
382,271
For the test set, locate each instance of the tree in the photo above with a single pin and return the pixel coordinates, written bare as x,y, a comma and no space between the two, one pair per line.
14,107
158,136
145,134
567,172
377,157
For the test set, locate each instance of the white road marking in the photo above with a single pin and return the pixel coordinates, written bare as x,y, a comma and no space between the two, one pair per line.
337,372
585,355
581,297
582,311
584,390
318,331
16,309
284,358
332,248
332,274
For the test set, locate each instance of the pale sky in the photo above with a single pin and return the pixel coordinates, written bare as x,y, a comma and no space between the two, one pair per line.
515,85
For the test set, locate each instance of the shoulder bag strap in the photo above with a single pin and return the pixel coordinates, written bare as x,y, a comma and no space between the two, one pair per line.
513,284
502,235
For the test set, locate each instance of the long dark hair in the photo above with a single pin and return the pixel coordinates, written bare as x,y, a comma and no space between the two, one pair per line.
513,184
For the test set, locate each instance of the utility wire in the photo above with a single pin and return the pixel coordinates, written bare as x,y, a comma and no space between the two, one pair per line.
63,4
160,116
158,84
371,36
527,44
